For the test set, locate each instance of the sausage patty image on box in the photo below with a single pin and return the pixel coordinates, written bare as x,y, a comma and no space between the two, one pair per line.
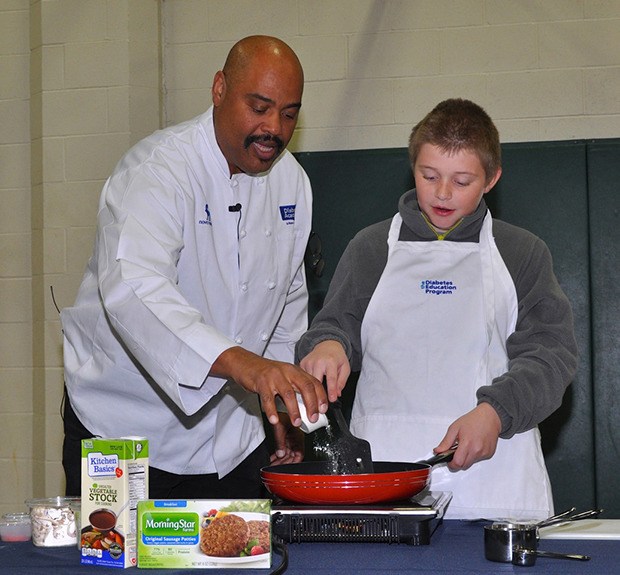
114,478
204,533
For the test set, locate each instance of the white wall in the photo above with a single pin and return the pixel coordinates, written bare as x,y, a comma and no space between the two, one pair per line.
543,69
81,81
16,394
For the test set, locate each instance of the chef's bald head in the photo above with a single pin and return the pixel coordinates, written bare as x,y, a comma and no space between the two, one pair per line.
255,50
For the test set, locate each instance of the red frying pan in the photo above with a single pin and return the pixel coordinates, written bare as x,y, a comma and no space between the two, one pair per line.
311,482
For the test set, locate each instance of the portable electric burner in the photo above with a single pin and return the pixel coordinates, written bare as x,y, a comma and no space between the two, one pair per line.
411,522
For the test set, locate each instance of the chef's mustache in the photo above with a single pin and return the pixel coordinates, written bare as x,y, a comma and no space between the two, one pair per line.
263,139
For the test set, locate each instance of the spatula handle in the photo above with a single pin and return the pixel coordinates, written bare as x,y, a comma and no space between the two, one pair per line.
336,418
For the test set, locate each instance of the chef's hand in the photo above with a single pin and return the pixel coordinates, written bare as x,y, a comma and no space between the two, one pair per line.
269,379
328,360
289,442
476,433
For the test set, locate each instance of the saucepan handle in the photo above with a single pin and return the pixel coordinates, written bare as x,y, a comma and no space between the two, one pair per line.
443,457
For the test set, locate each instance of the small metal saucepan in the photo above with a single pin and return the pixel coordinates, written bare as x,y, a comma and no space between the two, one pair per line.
501,538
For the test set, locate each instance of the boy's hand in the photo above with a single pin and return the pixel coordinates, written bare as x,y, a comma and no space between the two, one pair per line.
476,433
328,360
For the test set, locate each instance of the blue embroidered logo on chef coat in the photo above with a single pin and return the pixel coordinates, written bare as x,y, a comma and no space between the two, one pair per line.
438,287
207,220
287,213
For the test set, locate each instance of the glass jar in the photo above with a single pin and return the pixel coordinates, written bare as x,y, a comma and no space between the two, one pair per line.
53,521
15,527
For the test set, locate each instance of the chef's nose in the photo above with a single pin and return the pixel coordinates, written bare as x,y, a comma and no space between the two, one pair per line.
272,123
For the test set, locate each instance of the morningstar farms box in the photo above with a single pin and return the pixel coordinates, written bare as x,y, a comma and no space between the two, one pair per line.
114,477
195,534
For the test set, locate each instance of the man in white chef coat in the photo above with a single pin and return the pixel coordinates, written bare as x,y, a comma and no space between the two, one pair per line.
195,295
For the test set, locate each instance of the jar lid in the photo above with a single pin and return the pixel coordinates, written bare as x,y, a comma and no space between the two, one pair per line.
53,502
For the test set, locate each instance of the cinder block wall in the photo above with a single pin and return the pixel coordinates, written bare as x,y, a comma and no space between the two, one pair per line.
82,80
16,393
543,69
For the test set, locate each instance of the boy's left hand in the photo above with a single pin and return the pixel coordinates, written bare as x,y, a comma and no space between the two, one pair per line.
476,434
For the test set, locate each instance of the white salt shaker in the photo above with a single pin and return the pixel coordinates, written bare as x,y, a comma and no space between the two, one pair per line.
306,425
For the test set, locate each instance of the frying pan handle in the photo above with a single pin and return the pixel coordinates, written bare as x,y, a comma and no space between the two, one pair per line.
443,457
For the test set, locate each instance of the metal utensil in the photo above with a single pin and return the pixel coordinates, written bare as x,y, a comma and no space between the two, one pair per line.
567,518
527,557
553,518
350,454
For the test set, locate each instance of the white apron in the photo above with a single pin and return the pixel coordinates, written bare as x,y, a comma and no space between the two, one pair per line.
434,332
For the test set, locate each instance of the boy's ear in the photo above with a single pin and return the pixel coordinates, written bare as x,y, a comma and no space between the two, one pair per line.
493,181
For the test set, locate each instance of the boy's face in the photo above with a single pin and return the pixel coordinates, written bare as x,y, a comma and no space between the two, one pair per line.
449,186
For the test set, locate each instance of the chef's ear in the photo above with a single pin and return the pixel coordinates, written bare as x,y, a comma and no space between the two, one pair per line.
489,185
218,90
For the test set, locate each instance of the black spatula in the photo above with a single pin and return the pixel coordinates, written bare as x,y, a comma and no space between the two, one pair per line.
348,454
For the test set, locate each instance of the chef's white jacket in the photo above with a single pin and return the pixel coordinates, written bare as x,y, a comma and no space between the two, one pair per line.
175,279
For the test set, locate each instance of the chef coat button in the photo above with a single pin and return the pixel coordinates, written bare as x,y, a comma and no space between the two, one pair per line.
271,285
264,336
239,340
244,286
261,180
234,183
267,233
242,234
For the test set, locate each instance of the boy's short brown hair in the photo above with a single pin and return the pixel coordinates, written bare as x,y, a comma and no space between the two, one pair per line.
455,125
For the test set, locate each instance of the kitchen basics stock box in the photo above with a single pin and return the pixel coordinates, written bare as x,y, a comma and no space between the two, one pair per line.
114,478
195,534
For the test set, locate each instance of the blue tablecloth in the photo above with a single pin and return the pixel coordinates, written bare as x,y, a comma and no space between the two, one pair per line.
456,547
